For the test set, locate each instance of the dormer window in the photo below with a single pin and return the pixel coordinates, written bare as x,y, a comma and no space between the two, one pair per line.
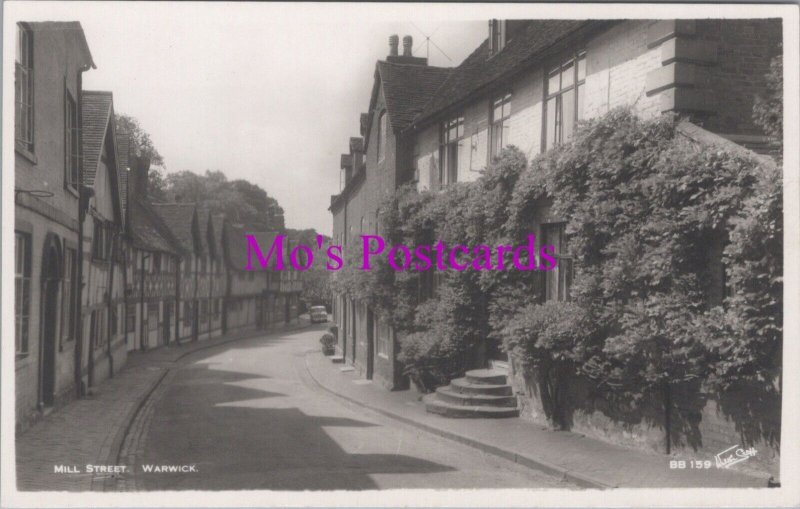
498,35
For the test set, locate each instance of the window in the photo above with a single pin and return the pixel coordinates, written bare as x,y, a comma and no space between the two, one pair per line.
98,241
187,313
71,153
382,333
22,291
565,99
451,139
68,296
204,307
23,88
500,115
156,263
381,140
187,266
130,317
557,281
361,227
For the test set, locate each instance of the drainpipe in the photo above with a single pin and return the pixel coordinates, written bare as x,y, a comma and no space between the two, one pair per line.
79,390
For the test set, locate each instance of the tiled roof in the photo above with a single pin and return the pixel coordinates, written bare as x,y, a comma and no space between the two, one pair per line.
408,88
236,245
96,109
123,152
179,219
481,69
148,230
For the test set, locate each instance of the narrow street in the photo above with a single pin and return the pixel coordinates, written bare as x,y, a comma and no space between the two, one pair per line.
247,416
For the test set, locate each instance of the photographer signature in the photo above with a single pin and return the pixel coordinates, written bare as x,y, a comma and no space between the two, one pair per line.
734,455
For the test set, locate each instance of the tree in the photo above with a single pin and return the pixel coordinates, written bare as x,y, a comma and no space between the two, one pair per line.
141,144
768,109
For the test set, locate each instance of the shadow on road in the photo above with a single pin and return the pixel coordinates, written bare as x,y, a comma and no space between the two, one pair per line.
243,437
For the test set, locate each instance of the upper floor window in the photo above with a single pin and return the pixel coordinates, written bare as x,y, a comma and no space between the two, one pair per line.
500,124
381,139
497,35
557,281
156,263
23,88
565,99
98,241
452,135
22,291
71,152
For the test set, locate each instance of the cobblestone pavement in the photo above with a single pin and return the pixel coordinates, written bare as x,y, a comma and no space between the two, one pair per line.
91,431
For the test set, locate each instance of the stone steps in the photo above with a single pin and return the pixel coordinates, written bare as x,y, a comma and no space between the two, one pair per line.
481,393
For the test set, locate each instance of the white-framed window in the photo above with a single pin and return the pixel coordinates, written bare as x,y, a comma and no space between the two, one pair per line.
452,134
381,138
71,150
566,87
557,282
23,88
22,291
500,117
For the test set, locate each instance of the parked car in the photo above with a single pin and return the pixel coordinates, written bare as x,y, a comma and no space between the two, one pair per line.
318,314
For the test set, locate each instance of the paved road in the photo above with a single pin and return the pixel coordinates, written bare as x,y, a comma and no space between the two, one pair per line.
247,416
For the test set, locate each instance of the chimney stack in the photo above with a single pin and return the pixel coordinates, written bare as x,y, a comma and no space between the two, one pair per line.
393,43
408,42
140,169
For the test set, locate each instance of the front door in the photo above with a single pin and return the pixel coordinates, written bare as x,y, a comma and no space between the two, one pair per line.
167,322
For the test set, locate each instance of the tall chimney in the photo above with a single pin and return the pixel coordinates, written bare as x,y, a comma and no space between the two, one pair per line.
393,42
408,42
140,169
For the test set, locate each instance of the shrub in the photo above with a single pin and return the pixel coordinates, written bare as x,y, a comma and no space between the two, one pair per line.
328,342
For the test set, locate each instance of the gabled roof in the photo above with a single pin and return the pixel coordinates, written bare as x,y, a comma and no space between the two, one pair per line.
148,230
236,245
407,88
179,218
481,69
97,109
123,153
68,28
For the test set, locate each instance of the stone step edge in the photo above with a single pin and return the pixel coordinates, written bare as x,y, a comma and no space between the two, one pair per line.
582,480
478,411
463,383
493,400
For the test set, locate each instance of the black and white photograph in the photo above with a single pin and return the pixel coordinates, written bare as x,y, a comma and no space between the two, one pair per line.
365,254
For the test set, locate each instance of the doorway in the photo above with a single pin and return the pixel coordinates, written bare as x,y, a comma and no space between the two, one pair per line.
47,350
167,322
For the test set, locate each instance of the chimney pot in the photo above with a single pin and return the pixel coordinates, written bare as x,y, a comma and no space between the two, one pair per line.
408,42
394,41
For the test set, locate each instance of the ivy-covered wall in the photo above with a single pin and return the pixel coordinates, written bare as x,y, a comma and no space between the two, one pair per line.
672,334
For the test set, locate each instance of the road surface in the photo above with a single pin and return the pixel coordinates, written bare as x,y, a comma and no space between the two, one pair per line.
247,416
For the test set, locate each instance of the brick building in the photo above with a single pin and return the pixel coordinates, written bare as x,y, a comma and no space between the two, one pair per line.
376,164
527,85
50,59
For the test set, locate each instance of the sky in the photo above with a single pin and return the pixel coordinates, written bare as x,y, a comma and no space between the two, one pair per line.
269,92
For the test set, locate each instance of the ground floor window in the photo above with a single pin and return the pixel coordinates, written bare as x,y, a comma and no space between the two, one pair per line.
557,281
22,291
130,317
